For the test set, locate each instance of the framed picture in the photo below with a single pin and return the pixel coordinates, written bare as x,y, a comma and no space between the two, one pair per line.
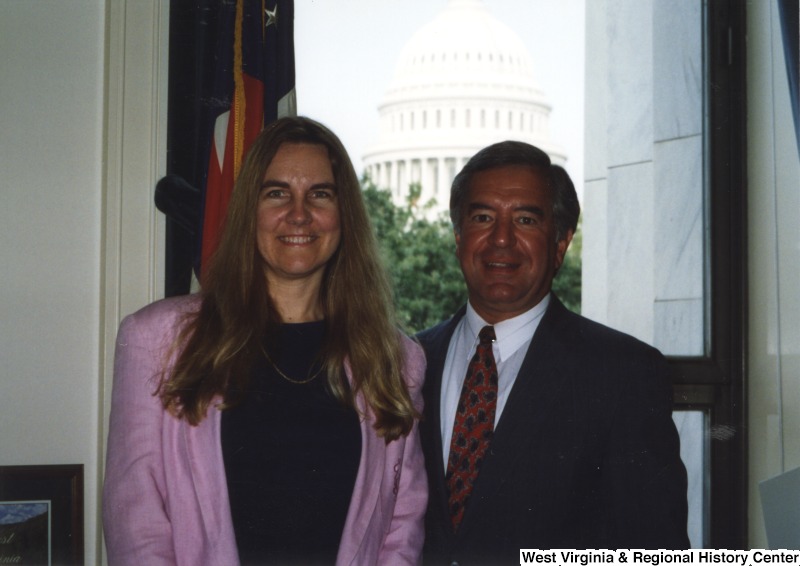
41,515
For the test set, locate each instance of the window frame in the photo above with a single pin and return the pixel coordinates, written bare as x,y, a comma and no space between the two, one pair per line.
716,383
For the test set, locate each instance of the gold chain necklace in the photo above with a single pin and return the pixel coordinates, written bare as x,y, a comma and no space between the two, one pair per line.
289,379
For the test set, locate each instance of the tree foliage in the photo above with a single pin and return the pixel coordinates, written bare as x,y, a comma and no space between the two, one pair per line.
567,284
419,254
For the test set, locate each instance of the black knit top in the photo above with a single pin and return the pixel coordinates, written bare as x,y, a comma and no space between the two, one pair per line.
291,455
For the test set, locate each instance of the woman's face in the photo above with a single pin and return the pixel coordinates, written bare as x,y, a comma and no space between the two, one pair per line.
298,227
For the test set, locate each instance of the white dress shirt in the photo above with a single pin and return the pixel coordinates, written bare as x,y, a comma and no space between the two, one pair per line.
513,336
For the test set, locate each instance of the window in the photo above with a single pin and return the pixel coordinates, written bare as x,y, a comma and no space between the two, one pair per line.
663,224
665,162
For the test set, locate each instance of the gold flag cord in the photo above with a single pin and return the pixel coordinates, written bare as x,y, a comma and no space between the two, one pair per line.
240,101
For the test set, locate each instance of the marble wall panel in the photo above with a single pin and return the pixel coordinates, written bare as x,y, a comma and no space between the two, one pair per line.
679,218
679,327
630,250
691,427
596,96
677,68
630,82
594,254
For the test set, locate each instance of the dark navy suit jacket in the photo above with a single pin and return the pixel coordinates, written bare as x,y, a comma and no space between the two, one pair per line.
585,454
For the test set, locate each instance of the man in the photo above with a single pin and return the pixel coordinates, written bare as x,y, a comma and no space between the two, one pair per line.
561,435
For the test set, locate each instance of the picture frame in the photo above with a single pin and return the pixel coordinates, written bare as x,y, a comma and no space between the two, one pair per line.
41,515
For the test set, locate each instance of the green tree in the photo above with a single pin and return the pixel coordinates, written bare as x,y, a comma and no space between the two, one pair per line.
420,256
567,284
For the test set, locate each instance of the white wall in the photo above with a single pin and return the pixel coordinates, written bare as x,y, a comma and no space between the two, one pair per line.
774,262
51,157
82,124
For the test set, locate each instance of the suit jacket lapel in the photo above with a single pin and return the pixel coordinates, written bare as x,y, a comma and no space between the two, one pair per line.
540,379
436,343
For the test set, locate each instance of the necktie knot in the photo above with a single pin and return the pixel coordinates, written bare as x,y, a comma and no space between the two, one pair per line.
486,335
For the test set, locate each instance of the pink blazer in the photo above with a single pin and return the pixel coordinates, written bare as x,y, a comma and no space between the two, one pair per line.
165,497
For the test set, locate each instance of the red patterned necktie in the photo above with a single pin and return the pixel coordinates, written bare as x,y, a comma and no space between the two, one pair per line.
474,425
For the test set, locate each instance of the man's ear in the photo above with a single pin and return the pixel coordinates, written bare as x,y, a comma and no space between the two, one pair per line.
561,248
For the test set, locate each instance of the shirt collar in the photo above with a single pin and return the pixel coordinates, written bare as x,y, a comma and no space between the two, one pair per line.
512,333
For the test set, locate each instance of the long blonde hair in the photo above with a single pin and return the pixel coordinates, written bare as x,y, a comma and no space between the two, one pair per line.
219,344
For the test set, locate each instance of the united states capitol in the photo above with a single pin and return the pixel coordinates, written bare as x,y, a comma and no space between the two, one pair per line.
463,81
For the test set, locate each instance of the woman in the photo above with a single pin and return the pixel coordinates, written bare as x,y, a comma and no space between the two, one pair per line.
272,418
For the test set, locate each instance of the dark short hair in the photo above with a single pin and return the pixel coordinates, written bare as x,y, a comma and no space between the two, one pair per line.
566,208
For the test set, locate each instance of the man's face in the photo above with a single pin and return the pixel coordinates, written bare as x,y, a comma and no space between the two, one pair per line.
507,246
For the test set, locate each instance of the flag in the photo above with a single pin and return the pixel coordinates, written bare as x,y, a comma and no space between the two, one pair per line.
789,11
252,85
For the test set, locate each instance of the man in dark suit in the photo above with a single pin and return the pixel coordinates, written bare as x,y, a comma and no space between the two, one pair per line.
560,435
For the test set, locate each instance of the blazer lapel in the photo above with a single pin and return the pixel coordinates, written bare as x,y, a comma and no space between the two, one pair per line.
367,487
204,458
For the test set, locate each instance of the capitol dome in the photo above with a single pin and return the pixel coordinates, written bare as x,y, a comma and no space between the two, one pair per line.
465,80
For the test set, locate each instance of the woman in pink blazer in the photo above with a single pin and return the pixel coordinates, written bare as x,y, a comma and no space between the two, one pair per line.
273,417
